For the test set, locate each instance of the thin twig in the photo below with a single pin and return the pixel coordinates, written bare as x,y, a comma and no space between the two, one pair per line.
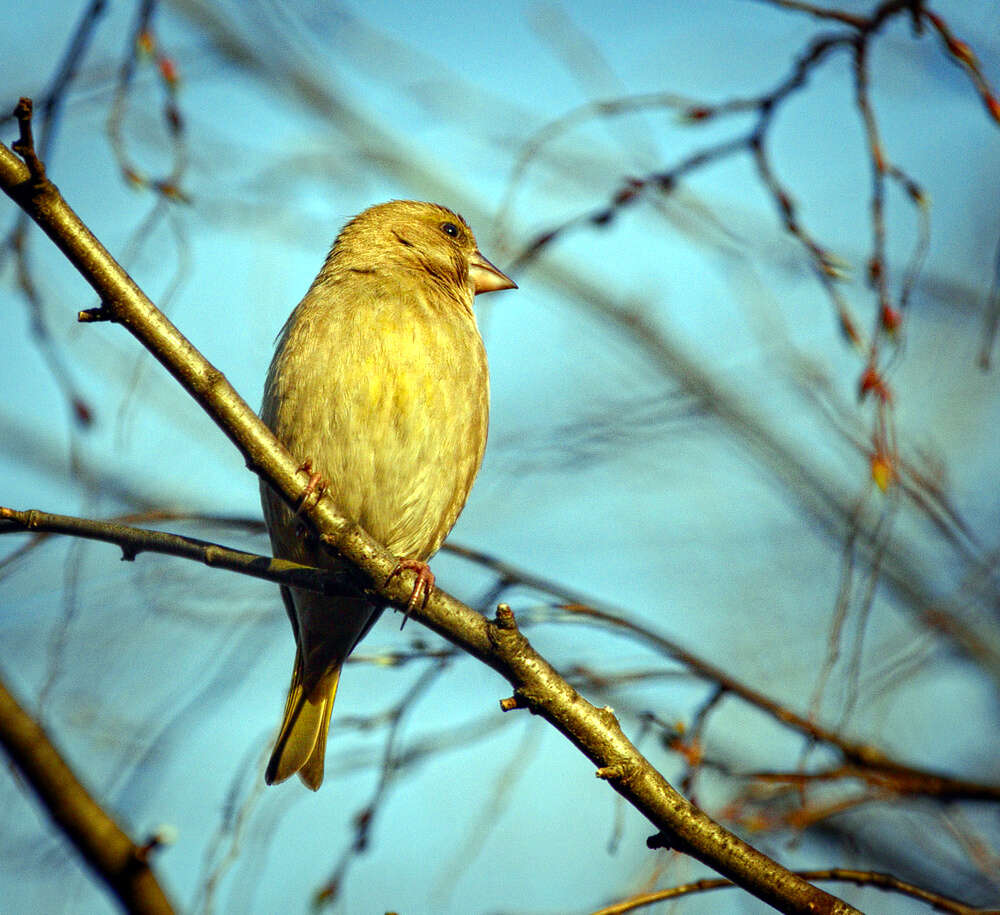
839,874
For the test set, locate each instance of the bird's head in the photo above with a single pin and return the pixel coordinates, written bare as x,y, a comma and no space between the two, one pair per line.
426,238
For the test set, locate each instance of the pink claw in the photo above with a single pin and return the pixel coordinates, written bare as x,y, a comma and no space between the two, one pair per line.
422,586
317,484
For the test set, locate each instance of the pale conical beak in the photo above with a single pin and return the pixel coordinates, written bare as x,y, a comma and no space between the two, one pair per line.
485,277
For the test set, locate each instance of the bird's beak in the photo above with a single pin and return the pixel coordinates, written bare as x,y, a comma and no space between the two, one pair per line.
485,277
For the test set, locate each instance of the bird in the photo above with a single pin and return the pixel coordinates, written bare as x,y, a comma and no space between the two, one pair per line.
379,385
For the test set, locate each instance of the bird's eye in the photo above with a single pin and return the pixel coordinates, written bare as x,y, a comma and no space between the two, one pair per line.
449,228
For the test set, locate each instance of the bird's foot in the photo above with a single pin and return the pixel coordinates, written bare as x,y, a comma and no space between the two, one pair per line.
422,585
317,484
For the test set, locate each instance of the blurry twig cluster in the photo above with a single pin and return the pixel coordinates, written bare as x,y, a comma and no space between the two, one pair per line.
142,46
16,242
829,269
868,543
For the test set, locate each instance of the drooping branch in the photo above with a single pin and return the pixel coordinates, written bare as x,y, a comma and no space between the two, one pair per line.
537,686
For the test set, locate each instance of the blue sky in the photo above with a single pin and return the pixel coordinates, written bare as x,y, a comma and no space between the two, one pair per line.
605,471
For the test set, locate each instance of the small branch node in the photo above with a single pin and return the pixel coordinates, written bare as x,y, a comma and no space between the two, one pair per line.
505,617
608,714
24,146
93,315
611,773
660,840
668,843
511,703
164,835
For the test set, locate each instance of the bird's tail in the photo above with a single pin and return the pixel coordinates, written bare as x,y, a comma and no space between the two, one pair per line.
301,743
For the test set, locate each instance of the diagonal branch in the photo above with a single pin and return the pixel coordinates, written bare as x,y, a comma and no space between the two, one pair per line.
114,857
537,686
862,760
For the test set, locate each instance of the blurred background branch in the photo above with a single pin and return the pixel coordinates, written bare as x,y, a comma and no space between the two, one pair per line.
114,857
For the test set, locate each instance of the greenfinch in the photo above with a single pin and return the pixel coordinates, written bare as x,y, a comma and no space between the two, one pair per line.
379,384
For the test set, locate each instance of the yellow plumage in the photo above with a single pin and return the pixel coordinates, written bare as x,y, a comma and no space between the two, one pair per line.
380,380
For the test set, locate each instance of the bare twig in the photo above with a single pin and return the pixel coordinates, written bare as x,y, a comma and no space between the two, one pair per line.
992,317
142,42
134,540
820,12
16,241
885,882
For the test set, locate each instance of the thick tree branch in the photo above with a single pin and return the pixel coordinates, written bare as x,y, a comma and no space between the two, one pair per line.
499,644
114,857
862,760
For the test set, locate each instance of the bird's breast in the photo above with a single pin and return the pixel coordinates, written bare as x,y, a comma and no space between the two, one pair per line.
393,411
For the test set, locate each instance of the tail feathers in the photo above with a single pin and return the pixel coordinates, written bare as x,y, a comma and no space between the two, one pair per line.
301,743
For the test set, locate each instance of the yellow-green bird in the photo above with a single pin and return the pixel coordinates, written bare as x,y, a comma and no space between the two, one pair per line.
380,386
